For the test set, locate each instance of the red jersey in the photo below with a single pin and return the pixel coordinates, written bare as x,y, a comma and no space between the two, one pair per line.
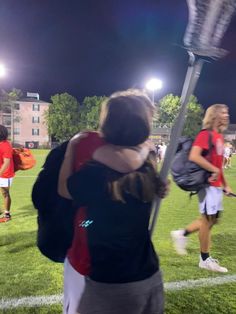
216,156
78,254
6,152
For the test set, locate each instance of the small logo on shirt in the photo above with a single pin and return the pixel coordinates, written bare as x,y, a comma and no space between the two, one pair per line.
85,223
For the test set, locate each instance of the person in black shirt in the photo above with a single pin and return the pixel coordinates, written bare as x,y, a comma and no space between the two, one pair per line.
124,275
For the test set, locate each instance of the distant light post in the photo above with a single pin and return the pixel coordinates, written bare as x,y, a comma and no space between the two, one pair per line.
3,74
153,85
2,70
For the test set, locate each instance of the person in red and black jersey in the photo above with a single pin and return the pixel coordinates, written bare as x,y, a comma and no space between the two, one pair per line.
123,273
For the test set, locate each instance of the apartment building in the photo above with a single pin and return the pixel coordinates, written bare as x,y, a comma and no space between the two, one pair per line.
25,121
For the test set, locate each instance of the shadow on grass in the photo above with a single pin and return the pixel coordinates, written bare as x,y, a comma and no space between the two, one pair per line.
16,240
225,243
26,211
19,241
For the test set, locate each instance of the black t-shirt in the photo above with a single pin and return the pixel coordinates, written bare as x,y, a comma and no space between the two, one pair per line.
119,243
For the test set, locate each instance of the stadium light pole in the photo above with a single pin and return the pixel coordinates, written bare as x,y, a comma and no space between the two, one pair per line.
153,85
2,70
3,74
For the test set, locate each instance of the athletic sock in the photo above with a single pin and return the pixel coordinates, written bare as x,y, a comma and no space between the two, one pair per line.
186,233
7,214
204,256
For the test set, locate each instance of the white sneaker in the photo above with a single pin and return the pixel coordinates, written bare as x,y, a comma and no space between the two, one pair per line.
179,241
212,264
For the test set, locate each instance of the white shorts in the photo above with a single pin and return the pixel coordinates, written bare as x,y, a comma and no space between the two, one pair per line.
74,284
5,182
210,200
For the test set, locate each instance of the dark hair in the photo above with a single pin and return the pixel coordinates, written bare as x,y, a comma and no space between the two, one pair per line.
125,120
126,117
3,133
142,184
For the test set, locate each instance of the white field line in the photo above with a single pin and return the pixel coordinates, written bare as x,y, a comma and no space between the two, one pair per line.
204,282
30,301
25,177
169,286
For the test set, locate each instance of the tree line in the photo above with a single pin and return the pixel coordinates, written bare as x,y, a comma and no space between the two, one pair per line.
66,116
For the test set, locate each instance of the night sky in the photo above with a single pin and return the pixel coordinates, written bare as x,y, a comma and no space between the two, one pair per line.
95,47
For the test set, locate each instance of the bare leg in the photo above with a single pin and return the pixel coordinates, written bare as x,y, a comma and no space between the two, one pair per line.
204,236
205,232
6,198
194,226
179,237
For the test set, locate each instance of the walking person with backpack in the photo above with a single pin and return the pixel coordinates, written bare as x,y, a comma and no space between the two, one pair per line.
210,198
123,269
6,172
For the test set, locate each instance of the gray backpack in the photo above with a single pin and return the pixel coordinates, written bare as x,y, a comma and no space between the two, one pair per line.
187,174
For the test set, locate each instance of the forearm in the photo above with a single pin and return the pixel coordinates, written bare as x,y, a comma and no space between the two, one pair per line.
225,183
2,169
4,166
203,163
130,159
122,159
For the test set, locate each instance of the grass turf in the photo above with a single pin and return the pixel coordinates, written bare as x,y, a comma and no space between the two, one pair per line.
25,272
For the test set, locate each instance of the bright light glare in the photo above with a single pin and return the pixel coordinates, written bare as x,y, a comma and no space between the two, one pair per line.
2,70
154,84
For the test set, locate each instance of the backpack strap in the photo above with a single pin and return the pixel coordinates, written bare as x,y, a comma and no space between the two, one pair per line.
210,142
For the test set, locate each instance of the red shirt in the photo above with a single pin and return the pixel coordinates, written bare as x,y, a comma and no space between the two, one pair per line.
216,156
6,152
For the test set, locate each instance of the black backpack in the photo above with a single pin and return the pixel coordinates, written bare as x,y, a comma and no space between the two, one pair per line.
187,174
55,213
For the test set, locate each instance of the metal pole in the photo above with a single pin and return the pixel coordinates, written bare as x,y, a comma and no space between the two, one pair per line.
192,75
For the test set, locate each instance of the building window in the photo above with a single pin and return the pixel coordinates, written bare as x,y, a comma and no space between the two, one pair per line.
36,107
16,106
6,108
6,120
155,124
16,131
35,119
9,131
35,131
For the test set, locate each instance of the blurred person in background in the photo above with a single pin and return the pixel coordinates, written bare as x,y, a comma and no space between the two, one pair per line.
6,173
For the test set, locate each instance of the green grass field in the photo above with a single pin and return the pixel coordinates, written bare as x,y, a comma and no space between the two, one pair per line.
26,273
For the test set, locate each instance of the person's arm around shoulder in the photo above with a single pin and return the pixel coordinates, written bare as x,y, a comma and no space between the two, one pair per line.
123,159
67,166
